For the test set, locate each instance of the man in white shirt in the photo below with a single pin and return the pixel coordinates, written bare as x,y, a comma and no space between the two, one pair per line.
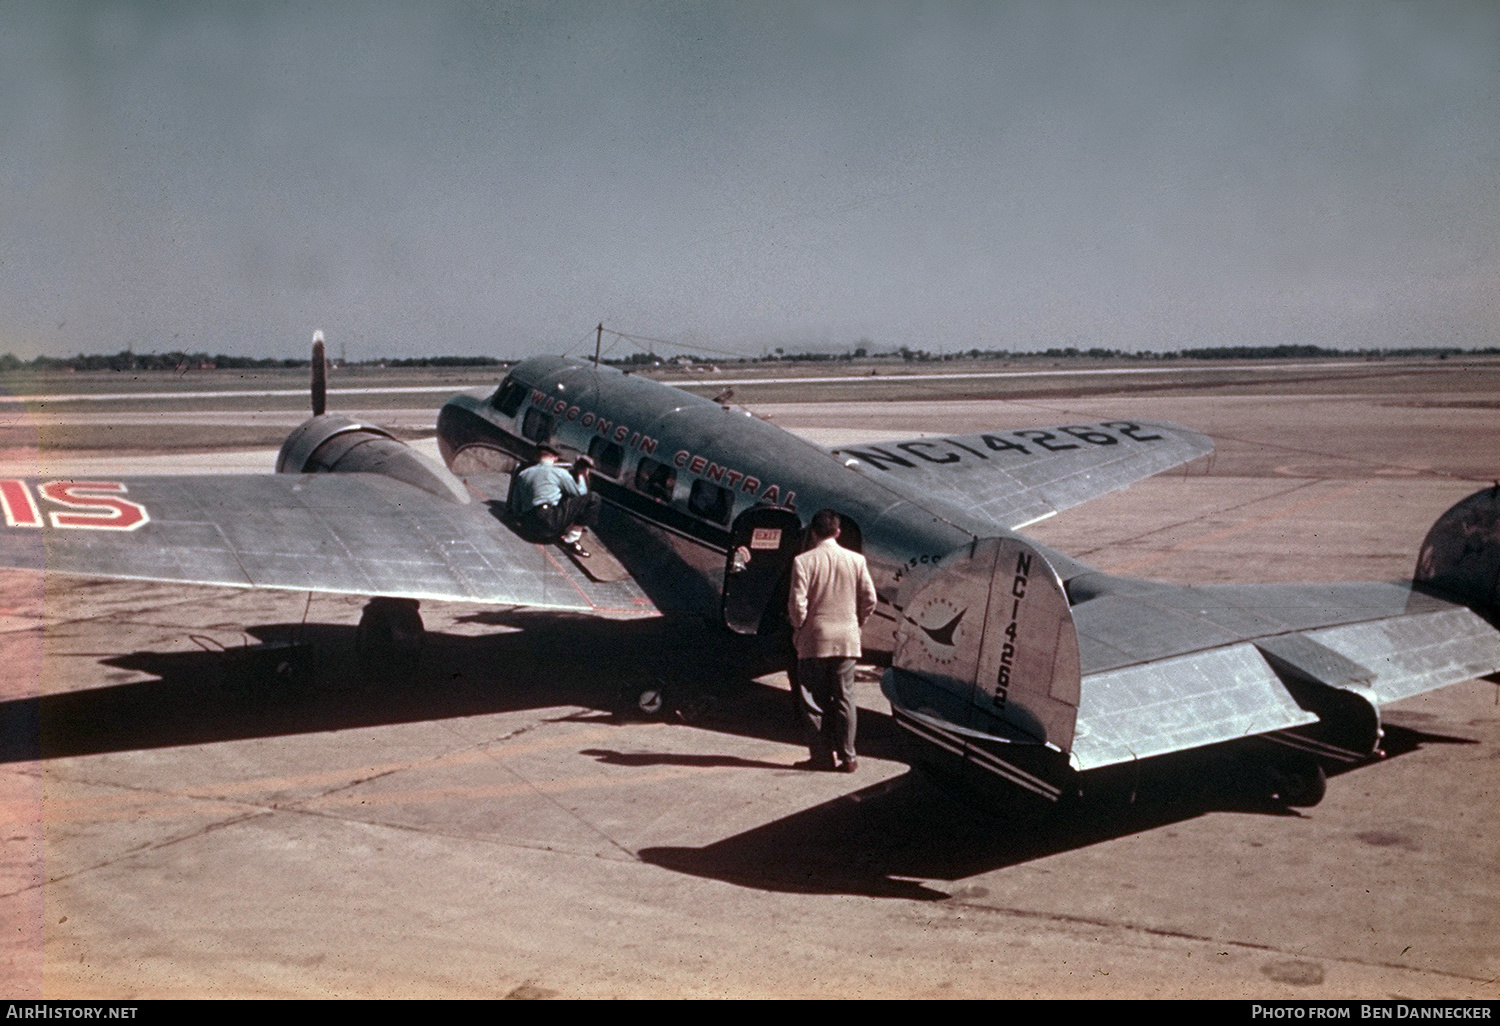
831,597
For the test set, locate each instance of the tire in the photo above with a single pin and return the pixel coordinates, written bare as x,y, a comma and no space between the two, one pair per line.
1299,785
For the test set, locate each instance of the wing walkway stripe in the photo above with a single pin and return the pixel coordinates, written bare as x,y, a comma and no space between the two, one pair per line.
1312,747
998,766
983,759
914,728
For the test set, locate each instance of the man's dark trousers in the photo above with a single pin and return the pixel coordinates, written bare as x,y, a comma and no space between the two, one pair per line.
825,696
572,511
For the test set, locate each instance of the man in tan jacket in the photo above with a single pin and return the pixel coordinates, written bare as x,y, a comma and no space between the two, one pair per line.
832,596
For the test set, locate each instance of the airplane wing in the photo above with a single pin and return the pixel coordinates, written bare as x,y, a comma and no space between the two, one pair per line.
1009,479
352,533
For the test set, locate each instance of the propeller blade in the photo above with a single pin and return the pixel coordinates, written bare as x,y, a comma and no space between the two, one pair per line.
319,376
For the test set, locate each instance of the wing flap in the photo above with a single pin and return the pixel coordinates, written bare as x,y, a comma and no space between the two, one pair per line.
351,533
1008,479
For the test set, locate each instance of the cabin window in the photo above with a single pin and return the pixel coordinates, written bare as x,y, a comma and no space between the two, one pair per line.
710,502
537,426
607,456
510,396
655,479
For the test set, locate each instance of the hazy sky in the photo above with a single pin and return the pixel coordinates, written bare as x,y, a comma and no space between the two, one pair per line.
424,178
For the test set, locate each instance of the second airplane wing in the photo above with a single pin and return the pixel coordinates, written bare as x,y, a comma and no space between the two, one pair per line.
1008,479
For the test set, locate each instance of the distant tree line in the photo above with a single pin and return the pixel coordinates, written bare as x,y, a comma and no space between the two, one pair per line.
183,362
909,355
1282,352
434,361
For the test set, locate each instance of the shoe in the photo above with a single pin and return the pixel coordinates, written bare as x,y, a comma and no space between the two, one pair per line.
848,765
814,764
576,547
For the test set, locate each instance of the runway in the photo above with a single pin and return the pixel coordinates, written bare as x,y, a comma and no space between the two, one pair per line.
492,828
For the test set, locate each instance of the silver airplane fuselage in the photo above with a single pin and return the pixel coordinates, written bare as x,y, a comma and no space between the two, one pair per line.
686,482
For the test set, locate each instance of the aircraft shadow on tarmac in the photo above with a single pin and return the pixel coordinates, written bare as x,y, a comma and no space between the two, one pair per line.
869,842
305,679
873,841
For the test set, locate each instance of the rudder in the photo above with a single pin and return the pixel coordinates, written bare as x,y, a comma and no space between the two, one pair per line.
991,635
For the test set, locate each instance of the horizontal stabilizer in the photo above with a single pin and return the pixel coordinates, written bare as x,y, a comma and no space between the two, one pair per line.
1233,691
1180,703
1299,656
1417,652
1167,668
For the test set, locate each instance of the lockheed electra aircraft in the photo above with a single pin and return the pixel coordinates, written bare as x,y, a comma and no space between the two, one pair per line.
1009,663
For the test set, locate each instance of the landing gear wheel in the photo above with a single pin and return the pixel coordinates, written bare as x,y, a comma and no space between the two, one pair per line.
390,636
1300,785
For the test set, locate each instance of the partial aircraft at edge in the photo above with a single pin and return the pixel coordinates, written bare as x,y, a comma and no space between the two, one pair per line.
1011,664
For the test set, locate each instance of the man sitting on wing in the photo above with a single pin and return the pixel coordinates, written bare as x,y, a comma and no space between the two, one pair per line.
554,503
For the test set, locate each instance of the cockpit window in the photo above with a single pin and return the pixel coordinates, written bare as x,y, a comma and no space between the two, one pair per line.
509,397
655,479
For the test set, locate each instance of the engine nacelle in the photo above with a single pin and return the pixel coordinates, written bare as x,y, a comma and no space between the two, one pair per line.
1461,555
342,445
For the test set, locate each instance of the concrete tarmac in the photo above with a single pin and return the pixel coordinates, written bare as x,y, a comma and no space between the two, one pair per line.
180,821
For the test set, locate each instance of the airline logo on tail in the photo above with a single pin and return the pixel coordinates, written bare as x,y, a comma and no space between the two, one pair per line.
940,622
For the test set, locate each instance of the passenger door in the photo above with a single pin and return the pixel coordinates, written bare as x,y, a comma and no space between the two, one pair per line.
763,542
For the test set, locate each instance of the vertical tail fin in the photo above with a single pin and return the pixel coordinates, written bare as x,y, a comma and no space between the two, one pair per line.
991,637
